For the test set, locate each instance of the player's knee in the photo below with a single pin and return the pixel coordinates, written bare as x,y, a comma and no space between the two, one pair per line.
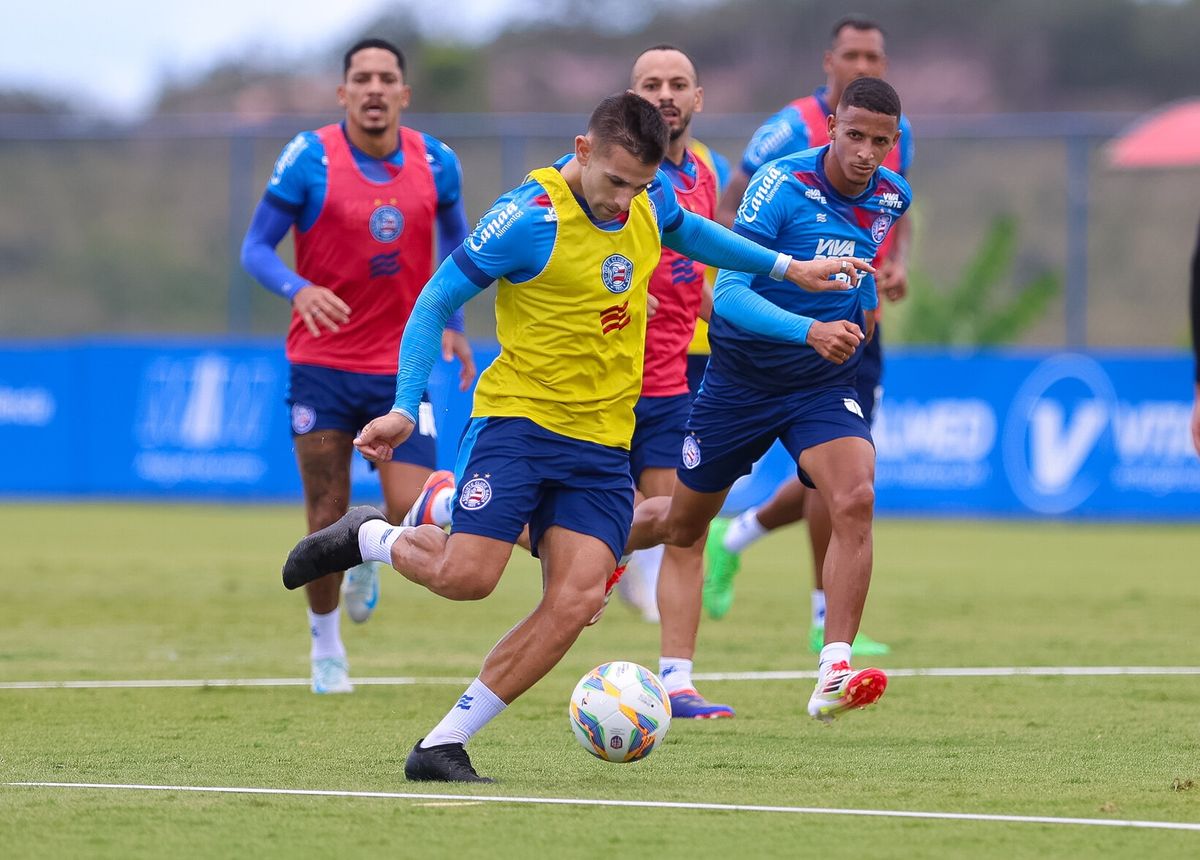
462,582
854,503
576,606
684,533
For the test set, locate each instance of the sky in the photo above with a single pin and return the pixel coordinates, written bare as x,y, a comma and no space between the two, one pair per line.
112,57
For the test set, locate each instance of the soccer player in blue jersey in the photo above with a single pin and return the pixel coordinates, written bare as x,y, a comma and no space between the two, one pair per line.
857,50
797,385
573,249
364,197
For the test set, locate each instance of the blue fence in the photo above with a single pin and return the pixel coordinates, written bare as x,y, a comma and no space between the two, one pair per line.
980,434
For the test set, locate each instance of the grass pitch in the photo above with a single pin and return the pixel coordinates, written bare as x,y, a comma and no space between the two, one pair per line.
132,592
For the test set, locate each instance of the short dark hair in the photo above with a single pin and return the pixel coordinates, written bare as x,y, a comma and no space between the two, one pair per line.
363,44
855,22
629,121
873,94
664,46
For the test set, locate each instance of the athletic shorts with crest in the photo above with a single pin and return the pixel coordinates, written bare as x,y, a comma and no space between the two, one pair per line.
511,471
657,432
322,398
731,427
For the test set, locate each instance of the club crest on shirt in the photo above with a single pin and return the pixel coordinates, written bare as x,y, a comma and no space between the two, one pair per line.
387,223
617,273
691,452
475,493
303,418
880,226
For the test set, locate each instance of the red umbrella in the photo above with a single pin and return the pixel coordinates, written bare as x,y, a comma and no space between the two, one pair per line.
1167,138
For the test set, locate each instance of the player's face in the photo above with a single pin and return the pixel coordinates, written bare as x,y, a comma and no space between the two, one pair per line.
611,177
667,79
855,54
859,141
374,92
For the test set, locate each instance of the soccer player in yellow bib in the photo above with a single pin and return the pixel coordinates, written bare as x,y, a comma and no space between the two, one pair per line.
548,444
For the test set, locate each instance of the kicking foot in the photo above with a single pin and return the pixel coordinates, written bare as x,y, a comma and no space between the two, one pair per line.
329,550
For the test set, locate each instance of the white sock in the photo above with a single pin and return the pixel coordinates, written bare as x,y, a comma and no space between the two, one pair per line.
834,652
375,539
675,673
818,607
443,506
743,531
650,562
474,710
326,635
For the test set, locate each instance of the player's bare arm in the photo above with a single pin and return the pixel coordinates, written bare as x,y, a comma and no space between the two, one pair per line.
319,306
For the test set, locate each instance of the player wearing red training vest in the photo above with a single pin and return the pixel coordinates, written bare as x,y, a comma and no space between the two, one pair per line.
666,77
379,271
363,197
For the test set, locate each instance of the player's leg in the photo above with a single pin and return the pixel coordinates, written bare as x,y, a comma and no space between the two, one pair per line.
323,458
729,538
653,455
578,527
843,470
817,511
680,580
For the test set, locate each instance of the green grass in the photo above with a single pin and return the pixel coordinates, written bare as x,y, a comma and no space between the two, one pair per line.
119,592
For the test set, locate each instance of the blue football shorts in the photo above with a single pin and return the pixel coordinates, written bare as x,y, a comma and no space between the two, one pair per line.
657,433
726,435
321,398
511,471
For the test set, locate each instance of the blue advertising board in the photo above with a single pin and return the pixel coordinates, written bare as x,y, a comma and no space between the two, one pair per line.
981,434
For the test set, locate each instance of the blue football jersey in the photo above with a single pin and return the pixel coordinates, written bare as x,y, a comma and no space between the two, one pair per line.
791,207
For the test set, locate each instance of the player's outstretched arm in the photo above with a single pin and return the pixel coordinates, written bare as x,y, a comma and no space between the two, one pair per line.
446,291
710,243
736,302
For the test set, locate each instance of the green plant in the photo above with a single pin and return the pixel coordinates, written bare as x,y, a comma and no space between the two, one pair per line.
973,311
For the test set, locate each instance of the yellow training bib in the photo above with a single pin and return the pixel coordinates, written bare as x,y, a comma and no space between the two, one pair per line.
573,337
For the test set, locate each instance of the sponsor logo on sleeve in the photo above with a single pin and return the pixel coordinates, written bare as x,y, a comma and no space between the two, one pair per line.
497,225
288,157
764,192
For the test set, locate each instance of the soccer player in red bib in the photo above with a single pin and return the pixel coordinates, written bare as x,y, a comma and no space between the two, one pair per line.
857,51
666,77
366,198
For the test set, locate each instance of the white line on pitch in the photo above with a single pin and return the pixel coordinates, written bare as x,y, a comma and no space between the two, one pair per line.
641,804
949,672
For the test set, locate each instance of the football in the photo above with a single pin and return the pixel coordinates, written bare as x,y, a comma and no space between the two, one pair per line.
620,712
